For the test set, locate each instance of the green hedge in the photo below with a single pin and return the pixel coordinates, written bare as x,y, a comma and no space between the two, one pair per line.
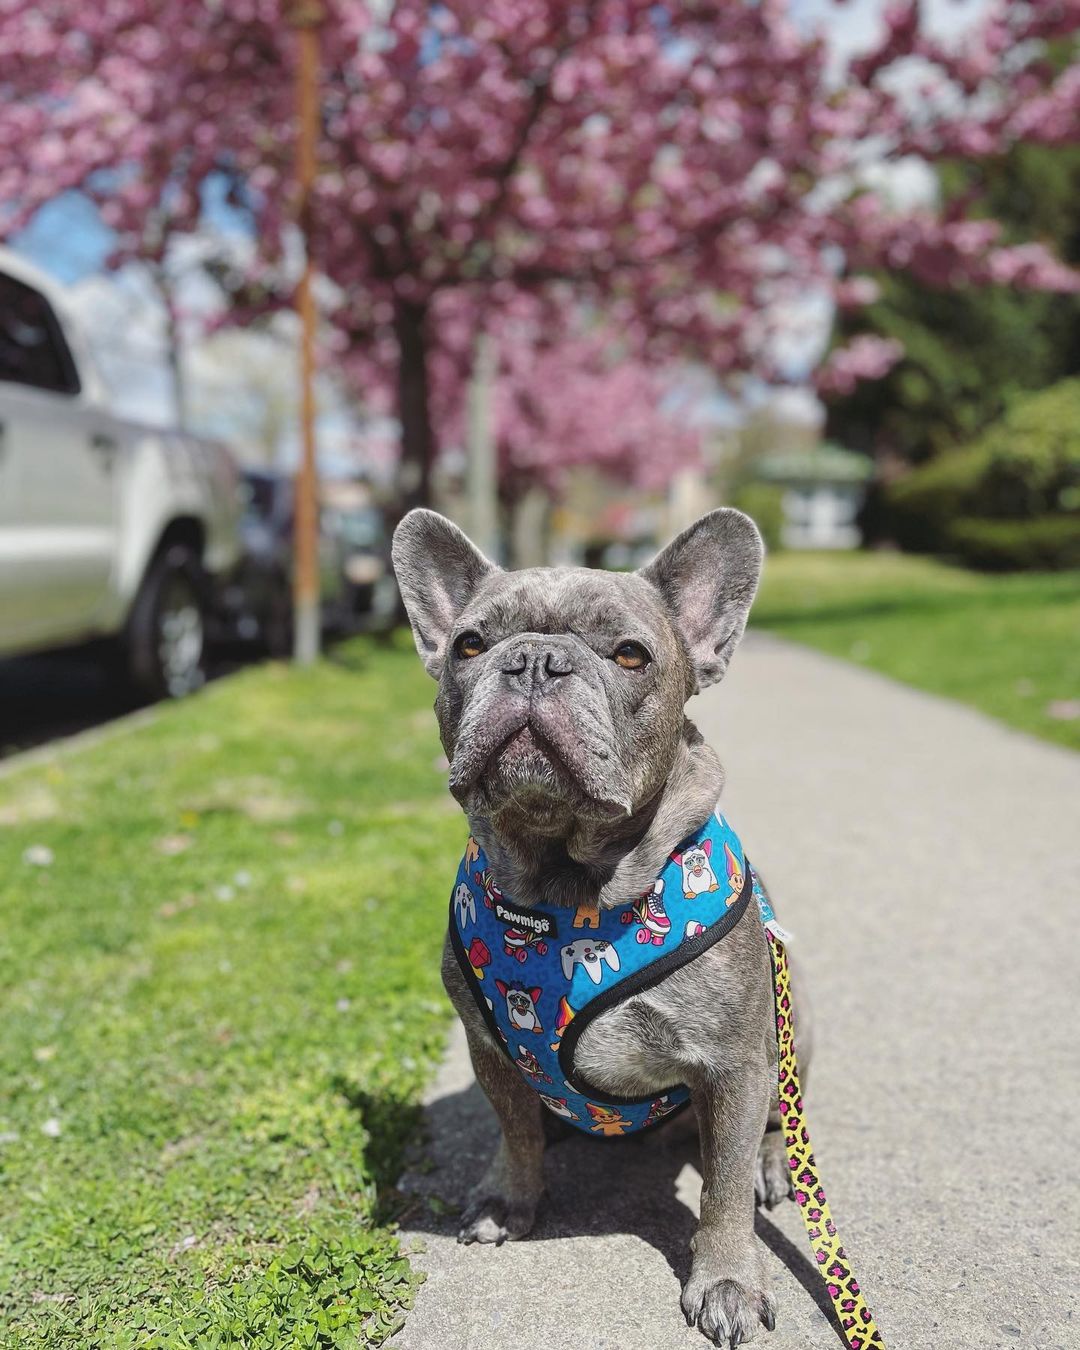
1047,543
763,503
1011,500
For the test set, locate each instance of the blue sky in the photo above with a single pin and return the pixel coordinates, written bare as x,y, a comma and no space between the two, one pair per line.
68,239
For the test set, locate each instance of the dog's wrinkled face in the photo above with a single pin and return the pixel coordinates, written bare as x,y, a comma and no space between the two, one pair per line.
561,690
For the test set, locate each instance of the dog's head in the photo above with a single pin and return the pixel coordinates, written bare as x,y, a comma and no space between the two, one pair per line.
561,690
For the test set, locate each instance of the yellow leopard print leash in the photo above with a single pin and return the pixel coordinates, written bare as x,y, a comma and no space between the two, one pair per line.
854,1316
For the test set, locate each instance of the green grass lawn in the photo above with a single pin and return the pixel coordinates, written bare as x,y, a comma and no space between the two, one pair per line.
1009,645
220,999
219,967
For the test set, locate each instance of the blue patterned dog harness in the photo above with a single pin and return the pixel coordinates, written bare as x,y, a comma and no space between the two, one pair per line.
541,973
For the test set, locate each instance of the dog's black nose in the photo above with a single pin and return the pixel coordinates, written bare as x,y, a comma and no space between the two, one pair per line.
535,661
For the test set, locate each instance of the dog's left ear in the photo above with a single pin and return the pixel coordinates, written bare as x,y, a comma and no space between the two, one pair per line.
437,569
707,577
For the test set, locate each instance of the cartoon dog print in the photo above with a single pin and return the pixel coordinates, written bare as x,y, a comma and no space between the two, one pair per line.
521,1006
698,877
464,905
529,1064
607,1120
591,954
648,910
559,1106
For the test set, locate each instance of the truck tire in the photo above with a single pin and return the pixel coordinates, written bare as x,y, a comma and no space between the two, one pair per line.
166,631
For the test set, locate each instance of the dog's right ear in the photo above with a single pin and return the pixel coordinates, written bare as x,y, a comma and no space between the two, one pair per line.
707,578
438,569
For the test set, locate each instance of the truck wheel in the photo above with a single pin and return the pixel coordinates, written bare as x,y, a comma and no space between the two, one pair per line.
166,634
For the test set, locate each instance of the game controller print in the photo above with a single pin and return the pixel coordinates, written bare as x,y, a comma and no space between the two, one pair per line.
590,954
464,904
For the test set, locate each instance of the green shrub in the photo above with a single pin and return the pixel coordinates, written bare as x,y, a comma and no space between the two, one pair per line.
1046,543
763,503
1023,474
920,506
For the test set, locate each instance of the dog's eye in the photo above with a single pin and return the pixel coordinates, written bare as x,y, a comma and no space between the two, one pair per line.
631,656
470,644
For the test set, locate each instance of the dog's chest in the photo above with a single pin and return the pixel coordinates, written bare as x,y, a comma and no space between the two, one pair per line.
633,1049
693,1022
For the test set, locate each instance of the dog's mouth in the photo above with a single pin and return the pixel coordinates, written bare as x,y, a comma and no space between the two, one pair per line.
526,751
539,753
526,763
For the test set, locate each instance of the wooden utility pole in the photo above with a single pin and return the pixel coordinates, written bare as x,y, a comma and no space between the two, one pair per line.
306,16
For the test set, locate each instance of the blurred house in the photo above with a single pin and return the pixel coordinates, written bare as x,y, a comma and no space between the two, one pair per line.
822,489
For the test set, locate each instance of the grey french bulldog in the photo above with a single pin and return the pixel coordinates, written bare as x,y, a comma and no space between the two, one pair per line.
561,709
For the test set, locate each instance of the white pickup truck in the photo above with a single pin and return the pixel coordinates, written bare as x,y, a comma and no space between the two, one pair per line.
108,529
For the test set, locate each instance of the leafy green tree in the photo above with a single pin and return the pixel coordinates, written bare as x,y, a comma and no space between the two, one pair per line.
969,352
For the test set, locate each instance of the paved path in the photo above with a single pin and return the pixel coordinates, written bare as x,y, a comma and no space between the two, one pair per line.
927,861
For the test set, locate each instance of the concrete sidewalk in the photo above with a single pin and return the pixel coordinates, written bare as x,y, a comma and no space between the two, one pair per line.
927,861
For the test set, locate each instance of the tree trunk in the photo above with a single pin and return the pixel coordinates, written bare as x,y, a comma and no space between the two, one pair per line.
531,533
417,441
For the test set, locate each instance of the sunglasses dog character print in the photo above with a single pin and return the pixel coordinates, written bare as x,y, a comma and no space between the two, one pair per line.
521,1006
698,877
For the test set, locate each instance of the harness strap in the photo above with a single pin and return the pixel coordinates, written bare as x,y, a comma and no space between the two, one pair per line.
856,1320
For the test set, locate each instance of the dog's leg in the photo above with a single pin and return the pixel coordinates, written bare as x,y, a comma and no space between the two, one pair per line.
503,1204
725,1295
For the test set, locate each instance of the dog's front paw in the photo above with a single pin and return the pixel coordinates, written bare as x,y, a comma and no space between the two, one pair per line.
495,1218
772,1181
726,1311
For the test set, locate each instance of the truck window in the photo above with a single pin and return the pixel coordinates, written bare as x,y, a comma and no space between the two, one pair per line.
32,347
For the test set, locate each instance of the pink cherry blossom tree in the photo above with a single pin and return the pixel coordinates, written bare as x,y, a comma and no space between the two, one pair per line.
566,393
684,169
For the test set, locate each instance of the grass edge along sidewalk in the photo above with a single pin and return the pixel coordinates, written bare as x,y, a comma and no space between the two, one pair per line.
219,963
1007,645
